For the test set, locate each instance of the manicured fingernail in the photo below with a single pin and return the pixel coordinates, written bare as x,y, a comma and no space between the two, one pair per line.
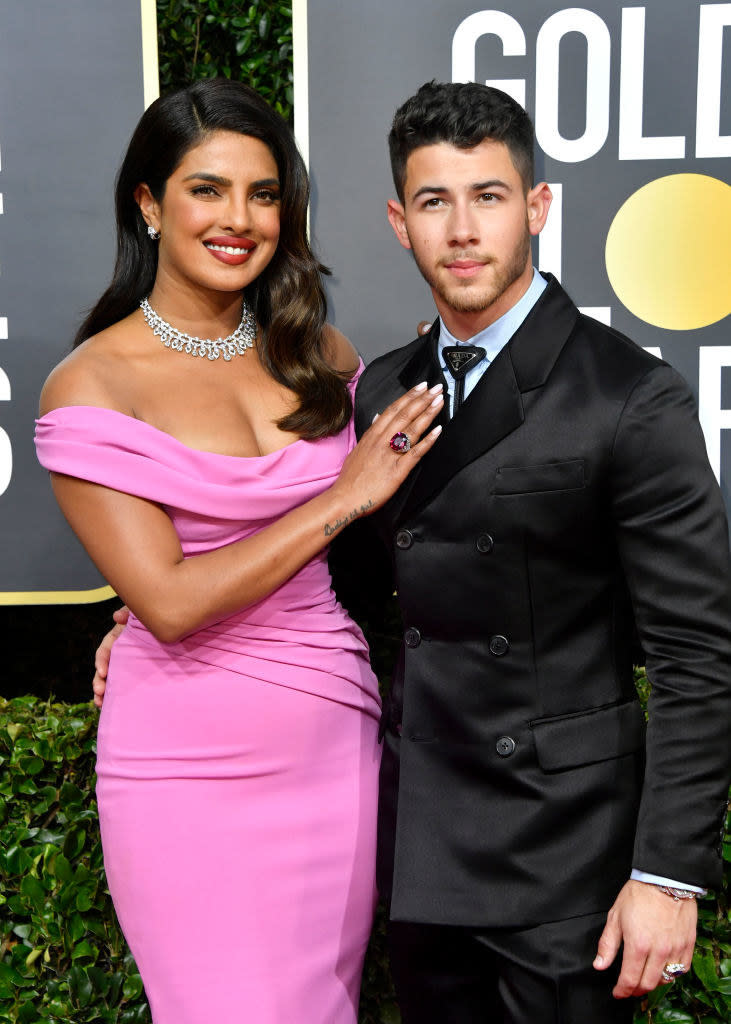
375,417
421,387
599,962
436,431
437,401
437,387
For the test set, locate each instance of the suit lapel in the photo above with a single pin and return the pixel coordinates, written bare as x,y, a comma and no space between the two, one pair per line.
424,364
494,409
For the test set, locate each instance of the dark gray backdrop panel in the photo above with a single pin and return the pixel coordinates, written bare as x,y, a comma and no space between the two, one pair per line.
71,91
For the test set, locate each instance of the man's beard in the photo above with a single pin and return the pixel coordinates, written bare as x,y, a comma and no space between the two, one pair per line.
470,298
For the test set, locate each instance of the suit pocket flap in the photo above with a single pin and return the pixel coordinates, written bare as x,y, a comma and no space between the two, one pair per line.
552,476
589,736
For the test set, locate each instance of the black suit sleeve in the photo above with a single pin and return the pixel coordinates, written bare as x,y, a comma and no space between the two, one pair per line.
673,543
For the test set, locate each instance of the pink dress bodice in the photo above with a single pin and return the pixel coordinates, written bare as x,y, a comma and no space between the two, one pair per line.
214,500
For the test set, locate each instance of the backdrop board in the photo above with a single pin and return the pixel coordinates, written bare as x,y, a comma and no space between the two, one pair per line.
72,88
632,107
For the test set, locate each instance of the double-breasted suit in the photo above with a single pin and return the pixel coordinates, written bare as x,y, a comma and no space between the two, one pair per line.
567,511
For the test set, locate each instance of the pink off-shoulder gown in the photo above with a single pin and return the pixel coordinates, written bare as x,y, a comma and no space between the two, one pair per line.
237,769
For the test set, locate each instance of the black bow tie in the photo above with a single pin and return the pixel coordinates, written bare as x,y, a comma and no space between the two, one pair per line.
460,359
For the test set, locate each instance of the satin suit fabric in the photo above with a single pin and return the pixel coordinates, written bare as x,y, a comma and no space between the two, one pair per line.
567,511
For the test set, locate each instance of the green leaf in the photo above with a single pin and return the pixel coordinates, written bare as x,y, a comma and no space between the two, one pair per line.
132,986
50,838
102,982
31,765
83,901
27,1014
17,861
62,868
115,987
61,1008
76,927
33,956
24,786
80,984
74,843
9,974
32,888
83,949
704,967
70,794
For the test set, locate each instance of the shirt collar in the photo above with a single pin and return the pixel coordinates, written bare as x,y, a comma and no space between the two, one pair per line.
497,334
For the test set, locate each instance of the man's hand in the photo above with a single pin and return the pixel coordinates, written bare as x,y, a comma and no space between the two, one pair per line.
655,930
103,652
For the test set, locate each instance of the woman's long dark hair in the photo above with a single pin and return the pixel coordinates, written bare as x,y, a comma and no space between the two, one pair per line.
287,297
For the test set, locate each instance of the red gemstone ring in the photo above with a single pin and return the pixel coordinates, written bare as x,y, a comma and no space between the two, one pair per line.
400,442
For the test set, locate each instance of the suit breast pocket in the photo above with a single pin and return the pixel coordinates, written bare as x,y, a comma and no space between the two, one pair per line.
550,476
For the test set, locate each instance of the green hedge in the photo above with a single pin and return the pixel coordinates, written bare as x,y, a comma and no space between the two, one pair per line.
62,957
249,42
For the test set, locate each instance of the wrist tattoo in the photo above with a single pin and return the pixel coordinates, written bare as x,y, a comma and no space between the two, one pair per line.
331,528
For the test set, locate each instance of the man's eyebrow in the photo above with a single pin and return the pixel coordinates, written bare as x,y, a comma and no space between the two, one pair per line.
478,186
432,189
485,186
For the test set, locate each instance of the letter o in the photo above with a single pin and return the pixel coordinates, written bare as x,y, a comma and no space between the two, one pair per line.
596,129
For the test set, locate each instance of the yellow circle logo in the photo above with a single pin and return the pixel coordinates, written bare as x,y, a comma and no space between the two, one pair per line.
668,252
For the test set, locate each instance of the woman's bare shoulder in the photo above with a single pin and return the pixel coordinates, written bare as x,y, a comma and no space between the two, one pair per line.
339,351
90,374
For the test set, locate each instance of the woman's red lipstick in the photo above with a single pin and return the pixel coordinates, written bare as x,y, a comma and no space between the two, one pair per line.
231,249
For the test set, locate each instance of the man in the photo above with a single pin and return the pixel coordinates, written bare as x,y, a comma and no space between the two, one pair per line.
527,828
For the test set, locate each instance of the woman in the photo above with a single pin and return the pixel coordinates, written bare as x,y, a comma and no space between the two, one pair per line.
205,466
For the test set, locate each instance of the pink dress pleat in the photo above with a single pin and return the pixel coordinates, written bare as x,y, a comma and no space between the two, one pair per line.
237,769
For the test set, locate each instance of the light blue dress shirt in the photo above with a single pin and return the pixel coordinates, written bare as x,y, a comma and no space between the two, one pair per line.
492,339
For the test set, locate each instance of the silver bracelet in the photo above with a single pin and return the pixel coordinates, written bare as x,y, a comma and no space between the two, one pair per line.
679,894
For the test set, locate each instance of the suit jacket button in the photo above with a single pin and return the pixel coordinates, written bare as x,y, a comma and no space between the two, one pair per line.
404,539
505,746
412,637
499,645
485,543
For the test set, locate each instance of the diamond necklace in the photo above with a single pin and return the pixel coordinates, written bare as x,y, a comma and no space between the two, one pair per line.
235,344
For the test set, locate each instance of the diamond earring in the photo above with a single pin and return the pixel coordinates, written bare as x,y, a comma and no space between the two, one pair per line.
153,233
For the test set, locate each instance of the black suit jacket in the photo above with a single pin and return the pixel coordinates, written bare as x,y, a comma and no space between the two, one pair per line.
567,508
